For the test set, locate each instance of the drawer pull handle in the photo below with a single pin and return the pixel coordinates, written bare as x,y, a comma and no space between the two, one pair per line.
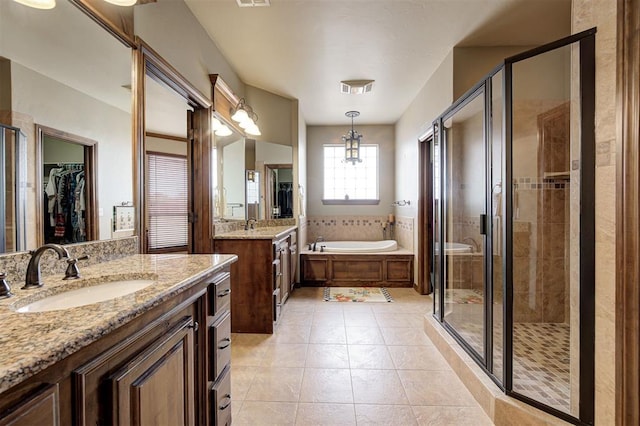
225,340
195,326
228,402
224,293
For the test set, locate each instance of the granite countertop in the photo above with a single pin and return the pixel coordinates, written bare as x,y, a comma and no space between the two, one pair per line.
263,233
31,342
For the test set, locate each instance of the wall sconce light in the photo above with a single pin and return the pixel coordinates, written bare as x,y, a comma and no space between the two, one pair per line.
246,118
352,141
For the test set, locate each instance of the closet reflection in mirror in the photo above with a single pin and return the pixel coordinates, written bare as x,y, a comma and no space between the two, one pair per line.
67,208
78,85
279,196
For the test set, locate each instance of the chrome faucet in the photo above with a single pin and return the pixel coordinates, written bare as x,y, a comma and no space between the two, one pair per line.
319,239
474,244
33,269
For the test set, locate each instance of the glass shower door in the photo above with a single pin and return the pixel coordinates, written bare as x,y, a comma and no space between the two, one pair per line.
464,222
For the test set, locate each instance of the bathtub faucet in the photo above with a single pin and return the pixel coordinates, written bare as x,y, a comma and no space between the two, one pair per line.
319,239
476,247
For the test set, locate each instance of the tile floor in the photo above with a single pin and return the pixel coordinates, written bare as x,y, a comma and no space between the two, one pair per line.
346,364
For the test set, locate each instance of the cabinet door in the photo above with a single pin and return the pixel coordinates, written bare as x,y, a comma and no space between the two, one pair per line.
157,386
42,408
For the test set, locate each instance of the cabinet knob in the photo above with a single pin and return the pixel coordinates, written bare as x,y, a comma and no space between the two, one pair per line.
195,326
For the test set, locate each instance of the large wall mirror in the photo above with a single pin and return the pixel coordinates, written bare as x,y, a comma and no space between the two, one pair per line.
249,176
79,86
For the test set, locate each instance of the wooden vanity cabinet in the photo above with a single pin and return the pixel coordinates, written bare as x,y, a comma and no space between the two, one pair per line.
159,368
261,280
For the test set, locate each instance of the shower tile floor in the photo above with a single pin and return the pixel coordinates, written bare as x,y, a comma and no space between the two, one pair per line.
541,367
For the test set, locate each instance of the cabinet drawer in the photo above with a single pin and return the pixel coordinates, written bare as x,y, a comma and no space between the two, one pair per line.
220,294
221,399
220,345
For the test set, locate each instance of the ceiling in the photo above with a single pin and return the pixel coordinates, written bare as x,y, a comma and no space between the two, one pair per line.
302,49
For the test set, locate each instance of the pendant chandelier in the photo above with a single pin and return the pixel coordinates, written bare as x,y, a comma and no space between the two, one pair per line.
352,141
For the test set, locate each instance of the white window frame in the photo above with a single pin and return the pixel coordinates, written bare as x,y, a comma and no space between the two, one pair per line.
350,200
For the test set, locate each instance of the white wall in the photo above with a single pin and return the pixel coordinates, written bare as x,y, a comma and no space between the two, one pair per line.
317,136
271,153
233,172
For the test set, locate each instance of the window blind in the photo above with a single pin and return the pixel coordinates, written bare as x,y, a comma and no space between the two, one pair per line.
167,202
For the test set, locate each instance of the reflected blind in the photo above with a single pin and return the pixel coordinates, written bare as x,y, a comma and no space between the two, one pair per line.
167,202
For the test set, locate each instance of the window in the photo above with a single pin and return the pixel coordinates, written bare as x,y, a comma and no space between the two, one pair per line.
167,202
346,183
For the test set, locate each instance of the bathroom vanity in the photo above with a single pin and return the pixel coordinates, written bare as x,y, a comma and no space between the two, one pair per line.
160,355
263,277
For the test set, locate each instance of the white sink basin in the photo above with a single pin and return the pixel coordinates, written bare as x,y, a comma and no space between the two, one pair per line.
86,295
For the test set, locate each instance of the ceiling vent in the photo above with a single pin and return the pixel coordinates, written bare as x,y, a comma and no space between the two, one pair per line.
356,87
253,3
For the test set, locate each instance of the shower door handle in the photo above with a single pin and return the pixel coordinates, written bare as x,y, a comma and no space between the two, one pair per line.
483,224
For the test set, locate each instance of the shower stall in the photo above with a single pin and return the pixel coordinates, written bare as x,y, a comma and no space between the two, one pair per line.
13,178
514,178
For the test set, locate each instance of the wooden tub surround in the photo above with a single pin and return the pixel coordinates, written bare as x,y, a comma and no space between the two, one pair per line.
385,269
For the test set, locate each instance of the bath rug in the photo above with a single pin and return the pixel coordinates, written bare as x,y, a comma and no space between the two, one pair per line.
463,296
356,294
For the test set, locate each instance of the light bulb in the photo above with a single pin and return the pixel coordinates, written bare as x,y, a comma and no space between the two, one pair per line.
215,124
240,115
122,2
223,131
38,4
253,130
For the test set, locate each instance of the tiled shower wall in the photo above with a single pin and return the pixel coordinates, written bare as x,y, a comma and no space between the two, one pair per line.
540,262
361,228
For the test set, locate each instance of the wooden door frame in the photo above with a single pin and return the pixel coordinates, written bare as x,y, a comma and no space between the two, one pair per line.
92,229
628,214
425,212
148,62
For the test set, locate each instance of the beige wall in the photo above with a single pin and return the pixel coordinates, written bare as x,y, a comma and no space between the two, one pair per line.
317,136
433,99
274,115
602,14
170,29
39,97
470,64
